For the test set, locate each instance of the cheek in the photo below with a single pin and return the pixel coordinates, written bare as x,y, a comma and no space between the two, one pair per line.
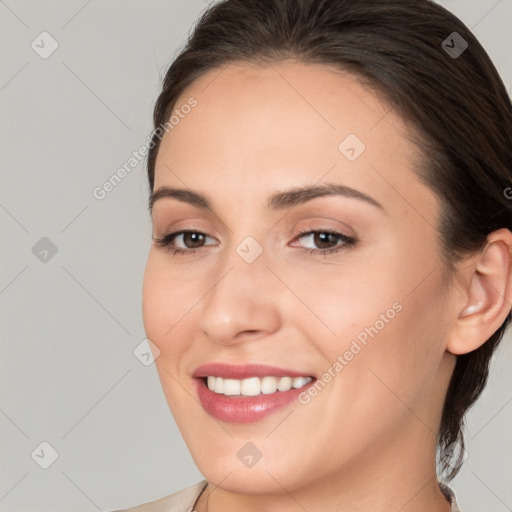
355,303
399,366
167,308
153,301
166,304
387,330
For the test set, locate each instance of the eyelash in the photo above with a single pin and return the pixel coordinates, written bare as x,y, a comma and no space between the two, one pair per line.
348,241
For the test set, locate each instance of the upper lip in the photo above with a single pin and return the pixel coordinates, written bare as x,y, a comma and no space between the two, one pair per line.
243,371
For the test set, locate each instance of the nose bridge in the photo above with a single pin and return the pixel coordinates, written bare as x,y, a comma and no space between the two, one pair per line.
242,296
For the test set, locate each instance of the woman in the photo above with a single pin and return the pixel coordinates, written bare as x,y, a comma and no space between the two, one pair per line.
330,272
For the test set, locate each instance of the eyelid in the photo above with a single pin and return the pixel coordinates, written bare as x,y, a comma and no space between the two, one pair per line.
171,235
176,234
347,241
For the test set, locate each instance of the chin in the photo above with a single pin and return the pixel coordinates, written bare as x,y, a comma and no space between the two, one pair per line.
269,475
248,481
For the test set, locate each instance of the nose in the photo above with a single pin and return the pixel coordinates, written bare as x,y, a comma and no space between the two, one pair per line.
242,303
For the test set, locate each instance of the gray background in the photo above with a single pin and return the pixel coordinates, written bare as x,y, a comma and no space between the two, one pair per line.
70,324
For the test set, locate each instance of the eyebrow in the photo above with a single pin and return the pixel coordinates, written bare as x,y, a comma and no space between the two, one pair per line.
278,201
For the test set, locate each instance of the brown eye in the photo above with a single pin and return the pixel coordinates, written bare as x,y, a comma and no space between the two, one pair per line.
181,242
325,241
193,239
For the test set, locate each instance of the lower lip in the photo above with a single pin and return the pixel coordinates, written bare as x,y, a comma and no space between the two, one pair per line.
245,409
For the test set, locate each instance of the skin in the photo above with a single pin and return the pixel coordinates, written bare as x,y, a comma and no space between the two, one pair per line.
367,440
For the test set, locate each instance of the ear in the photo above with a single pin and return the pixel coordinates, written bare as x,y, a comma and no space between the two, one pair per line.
487,295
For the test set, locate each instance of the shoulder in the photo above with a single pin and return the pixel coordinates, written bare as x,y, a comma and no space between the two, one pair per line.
180,501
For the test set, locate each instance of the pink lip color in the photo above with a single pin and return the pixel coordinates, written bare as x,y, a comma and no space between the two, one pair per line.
244,409
243,371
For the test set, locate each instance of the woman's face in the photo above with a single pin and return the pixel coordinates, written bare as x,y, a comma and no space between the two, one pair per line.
366,317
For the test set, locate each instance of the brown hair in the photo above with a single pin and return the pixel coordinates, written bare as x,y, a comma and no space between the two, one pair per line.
457,103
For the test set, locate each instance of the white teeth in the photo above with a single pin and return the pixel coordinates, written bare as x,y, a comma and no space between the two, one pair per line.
285,384
231,387
250,386
268,385
298,382
253,386
219,386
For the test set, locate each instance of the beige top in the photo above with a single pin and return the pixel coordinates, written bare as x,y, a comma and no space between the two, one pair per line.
184,500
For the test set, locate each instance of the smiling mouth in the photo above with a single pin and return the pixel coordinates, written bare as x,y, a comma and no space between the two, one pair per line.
254,386
247,393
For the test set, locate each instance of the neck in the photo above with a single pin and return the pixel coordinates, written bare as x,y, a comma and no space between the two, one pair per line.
398,475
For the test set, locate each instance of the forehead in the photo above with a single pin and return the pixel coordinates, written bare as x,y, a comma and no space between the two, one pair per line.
283,102
266,127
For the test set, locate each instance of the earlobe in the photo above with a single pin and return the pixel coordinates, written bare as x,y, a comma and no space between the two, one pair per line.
488,295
